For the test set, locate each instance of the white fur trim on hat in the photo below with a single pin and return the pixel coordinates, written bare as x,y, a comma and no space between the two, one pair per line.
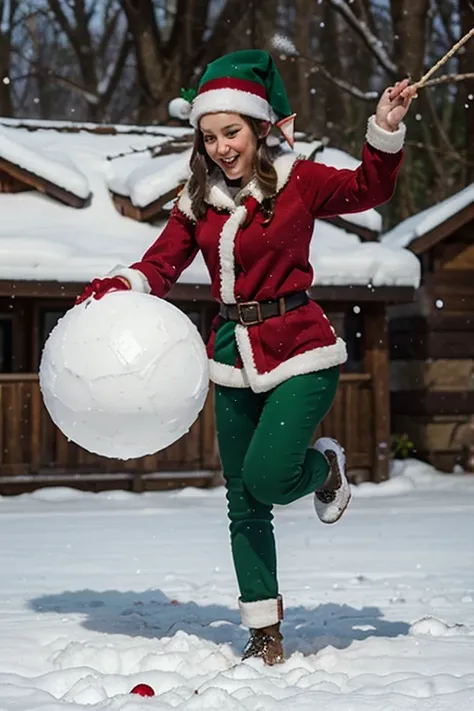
386,141
233,101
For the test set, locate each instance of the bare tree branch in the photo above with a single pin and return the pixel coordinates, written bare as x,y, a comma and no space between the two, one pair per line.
369,96
446,57
345,86
231,15
110,28
445,14
449,78
373,43
59,79
433,149
65,25
89,96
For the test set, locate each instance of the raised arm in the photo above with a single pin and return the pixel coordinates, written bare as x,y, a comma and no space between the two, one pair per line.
327,191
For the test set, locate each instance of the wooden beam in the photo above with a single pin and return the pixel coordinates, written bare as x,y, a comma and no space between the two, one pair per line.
429,402
12,482
11,185
69,290
202,292
432,344
458,278
358,294
44,186
376,362
433,321
445,229
124,206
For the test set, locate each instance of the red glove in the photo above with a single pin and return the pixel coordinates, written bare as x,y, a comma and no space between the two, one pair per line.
100,287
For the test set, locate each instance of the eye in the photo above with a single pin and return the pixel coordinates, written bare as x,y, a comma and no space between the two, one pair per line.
233,132
208,139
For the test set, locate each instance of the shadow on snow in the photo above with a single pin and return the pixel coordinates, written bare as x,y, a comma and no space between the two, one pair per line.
152,614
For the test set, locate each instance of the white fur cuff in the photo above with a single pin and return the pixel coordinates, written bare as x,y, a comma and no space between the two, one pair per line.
261,613
386,141
137,279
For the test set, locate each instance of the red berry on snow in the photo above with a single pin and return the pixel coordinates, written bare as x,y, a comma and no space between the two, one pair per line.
143,690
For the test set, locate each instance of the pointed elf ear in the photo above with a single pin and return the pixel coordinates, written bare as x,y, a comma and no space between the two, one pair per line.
265,128
287,127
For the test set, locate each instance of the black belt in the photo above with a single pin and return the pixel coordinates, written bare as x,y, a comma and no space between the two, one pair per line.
249,313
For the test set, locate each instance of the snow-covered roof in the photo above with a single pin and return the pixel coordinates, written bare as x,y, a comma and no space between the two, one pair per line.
47,163
148,180
420,224
340,258
41,239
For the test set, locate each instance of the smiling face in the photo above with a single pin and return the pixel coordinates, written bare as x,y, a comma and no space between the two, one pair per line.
230,142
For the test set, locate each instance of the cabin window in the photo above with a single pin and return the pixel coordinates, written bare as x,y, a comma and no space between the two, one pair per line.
48,320
6,350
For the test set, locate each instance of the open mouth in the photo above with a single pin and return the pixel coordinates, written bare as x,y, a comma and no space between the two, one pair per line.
229,162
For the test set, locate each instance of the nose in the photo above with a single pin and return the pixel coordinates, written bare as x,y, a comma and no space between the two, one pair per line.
222,147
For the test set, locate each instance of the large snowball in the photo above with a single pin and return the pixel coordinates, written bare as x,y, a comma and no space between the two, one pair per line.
124,376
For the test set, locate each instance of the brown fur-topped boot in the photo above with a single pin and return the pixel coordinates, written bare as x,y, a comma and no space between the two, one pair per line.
266,643
263,618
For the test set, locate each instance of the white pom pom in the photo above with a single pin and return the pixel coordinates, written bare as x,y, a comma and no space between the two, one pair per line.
179,108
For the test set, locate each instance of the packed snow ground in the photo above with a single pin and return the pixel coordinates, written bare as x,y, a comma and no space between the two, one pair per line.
103,591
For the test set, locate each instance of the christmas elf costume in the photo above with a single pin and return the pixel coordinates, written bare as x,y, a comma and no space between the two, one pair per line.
276,376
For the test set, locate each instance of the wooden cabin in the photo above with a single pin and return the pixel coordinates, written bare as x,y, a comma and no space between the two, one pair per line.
432,339
52,249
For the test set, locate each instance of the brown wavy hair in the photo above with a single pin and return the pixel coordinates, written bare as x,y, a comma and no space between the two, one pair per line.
201,167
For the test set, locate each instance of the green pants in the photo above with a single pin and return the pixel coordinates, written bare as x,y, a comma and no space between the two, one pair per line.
264,443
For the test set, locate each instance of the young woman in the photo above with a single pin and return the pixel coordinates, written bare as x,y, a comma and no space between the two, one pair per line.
274,356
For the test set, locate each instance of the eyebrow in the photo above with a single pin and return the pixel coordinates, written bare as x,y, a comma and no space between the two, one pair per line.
224,128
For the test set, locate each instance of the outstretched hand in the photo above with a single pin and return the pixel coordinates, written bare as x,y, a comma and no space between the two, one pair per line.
394,104
100,287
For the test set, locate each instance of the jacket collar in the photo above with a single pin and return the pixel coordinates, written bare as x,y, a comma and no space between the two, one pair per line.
218,194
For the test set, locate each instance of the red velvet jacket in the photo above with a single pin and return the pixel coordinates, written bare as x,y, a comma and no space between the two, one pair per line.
248,260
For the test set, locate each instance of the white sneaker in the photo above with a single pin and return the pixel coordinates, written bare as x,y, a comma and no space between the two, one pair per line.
331,503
